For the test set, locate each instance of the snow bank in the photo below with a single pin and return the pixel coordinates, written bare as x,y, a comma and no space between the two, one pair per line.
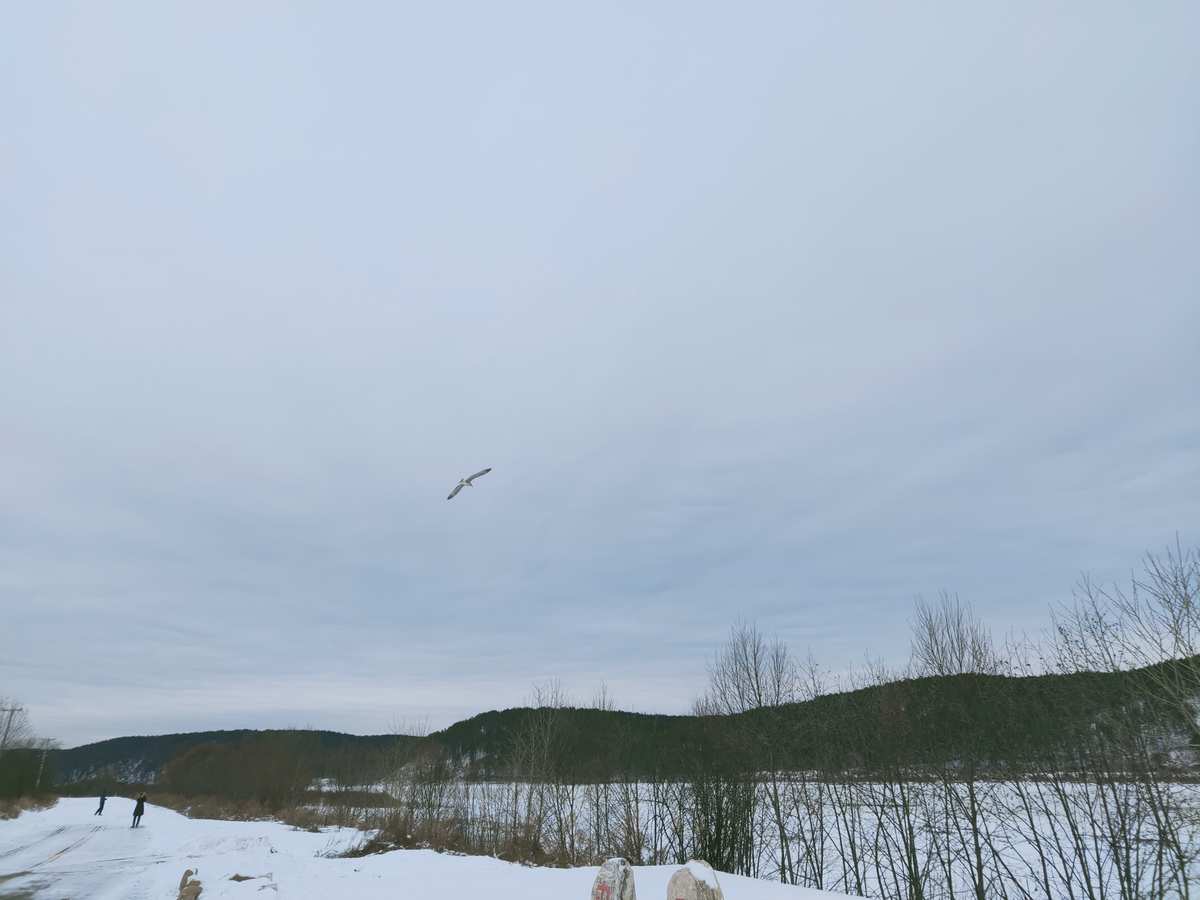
67,852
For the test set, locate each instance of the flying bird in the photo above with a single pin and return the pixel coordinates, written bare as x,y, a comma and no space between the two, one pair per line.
466,482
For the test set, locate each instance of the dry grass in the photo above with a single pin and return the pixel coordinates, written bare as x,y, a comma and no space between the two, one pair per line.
397,831
448,835
208,807
305,819
213,807
11,807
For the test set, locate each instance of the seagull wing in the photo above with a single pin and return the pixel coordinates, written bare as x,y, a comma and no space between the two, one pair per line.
454,493
477,474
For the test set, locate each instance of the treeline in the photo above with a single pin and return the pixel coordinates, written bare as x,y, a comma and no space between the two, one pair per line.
1001,721
23,772
141,759
246,773
1003,717
26,764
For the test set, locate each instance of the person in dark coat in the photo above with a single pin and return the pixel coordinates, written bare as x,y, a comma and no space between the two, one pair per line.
138,810
100,810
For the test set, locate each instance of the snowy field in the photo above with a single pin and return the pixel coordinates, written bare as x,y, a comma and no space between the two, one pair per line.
67,852
1041,838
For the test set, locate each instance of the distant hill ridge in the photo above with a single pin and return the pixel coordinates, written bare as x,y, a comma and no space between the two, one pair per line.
929,718
139,759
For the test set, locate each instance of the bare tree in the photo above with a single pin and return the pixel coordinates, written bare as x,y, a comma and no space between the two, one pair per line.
603,698
1131,759
752,676
1161,615
15,728
749,672
949,639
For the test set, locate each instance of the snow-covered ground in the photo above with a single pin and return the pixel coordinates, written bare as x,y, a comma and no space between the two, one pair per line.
66,852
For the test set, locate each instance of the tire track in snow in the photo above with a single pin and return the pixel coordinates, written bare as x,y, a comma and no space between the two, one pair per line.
123,864
22,847
67,849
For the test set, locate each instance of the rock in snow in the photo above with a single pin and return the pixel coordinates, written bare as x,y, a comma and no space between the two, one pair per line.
614,881
695,881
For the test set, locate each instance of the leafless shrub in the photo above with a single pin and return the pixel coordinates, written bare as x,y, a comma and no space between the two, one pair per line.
948,639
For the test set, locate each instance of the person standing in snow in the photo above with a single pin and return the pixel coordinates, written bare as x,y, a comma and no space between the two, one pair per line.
100,810
139,810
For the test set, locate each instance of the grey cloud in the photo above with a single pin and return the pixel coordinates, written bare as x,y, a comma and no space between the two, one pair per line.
788,315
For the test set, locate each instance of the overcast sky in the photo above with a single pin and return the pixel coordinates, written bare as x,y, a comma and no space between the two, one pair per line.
789,312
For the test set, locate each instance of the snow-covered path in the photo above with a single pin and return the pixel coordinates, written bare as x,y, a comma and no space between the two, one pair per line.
66,852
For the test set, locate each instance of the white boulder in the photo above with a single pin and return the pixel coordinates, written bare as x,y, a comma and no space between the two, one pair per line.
695,881
614,881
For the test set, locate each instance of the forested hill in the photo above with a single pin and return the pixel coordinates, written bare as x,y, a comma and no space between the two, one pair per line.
994,719
140,759
594,739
